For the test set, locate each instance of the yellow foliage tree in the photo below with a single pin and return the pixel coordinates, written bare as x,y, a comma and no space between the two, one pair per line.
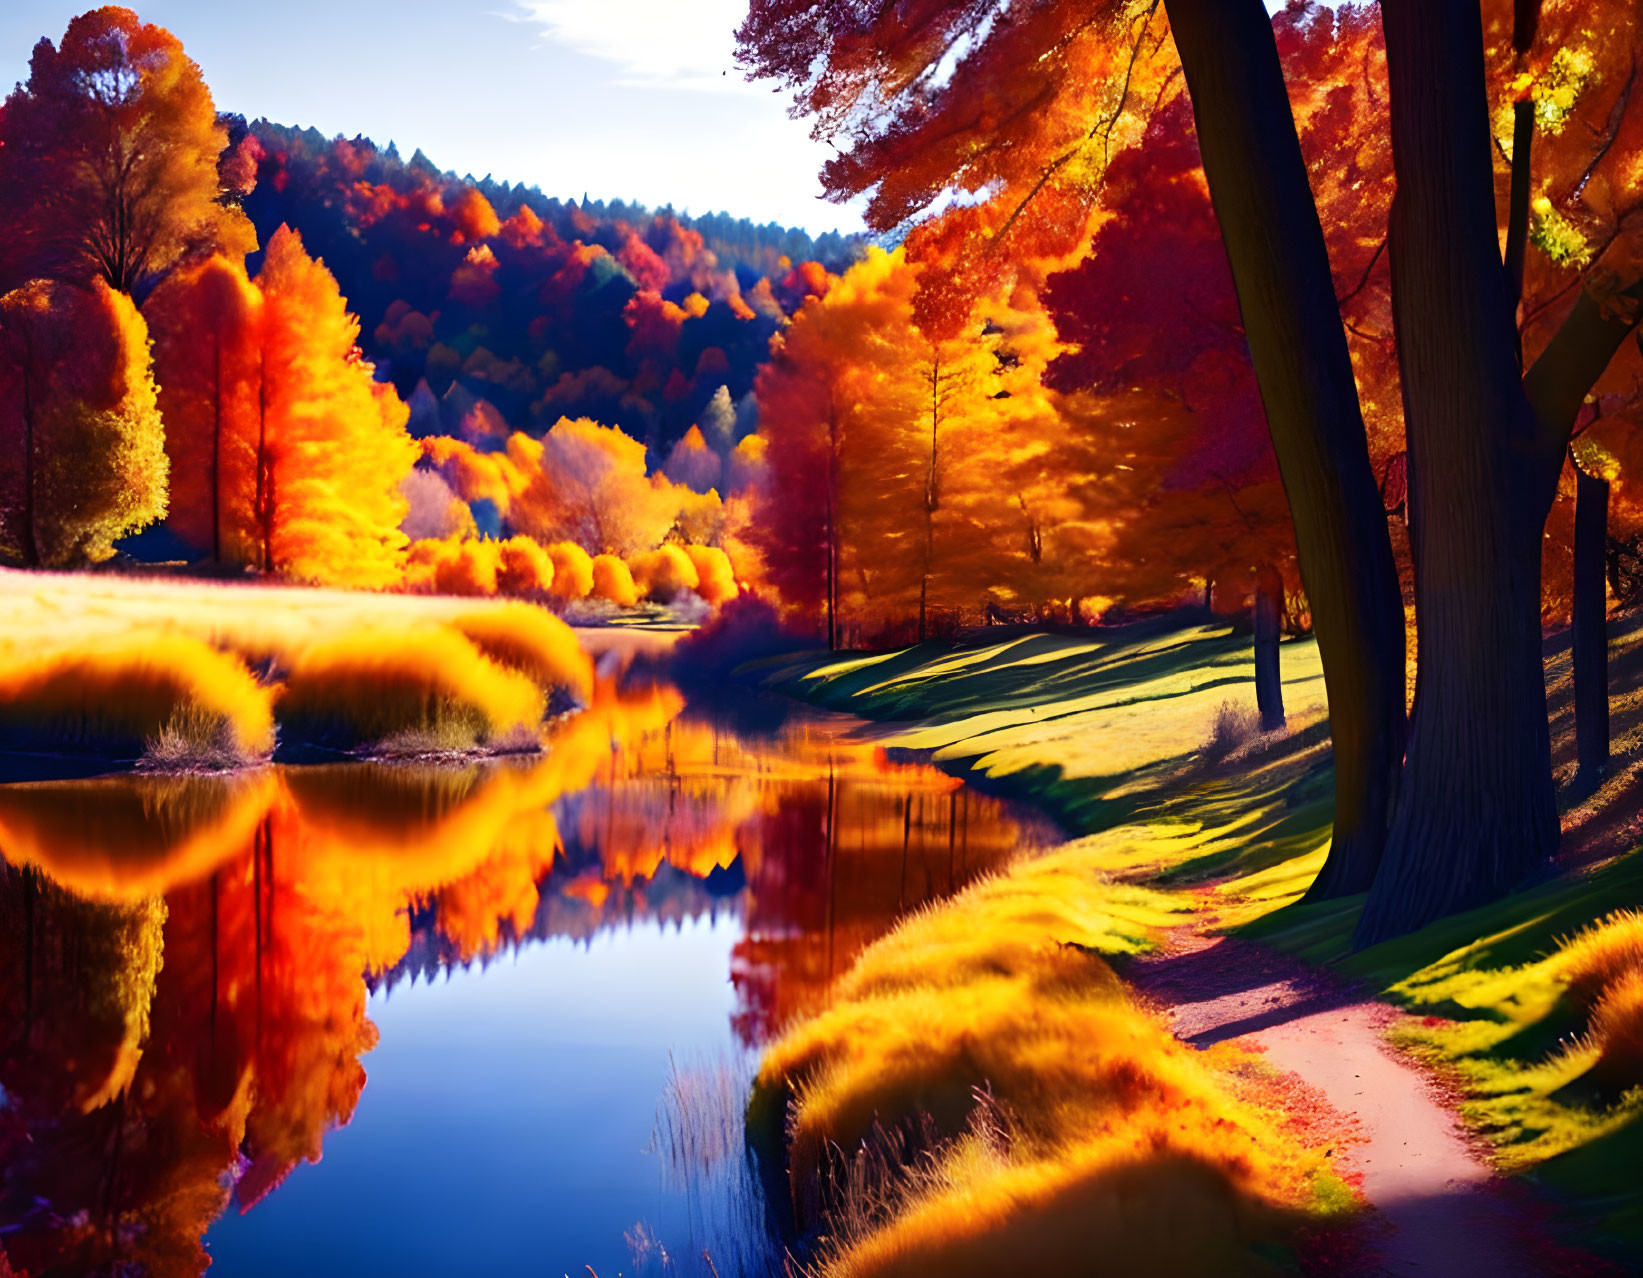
82,451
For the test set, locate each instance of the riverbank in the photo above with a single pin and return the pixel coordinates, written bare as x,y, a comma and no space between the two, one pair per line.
1508,1088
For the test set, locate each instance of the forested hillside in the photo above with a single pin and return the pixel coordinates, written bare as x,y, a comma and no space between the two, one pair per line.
517,308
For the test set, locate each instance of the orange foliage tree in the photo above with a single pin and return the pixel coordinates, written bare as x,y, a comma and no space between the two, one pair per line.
109,159
208,349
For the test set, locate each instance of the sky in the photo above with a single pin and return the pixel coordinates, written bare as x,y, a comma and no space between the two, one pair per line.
618,99
629,99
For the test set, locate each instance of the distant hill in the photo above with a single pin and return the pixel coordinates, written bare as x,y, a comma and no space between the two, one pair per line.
516,308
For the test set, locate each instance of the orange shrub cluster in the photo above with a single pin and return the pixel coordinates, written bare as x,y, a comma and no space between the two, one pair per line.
522,568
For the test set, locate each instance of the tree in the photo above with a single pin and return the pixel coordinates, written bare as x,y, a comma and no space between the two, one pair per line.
1473,812
331,447
108,159
1153,305
83,447
208,352
588,484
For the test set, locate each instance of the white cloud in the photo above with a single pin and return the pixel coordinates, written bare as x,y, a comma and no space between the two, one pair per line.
671,44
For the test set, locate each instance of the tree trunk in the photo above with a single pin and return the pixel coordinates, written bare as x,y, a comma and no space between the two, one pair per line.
31,539
1590,644
216,457
931,499
1269,221
1269,613
832,529
1476,812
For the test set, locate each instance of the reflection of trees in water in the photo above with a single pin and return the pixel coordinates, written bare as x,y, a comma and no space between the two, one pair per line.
143,1096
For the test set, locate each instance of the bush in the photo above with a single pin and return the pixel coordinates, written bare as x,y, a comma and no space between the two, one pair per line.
406,691
523,568
663,574
170,698
715,578
572,570
1233,726
613,582
533,642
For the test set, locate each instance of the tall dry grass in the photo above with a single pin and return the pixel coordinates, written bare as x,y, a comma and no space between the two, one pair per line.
1034,1117
533,642
407,691
170,698
1603,970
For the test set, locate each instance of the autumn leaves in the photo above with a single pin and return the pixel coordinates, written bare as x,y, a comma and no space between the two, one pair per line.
286,450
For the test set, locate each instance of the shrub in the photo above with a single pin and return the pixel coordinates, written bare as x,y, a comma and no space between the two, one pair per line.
170,697
715,579
572,570
1233,726
405,691
612,581
663,574
523,568
533,642
452,567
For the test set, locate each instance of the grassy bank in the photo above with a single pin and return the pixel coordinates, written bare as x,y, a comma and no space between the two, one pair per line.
1142,743
197,675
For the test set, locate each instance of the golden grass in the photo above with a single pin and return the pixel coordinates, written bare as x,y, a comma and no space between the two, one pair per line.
1617,1030
1598,957
533,642
159,694
411,690
1118,1141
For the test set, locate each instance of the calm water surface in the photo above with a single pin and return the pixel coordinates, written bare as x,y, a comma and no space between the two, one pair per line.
385,1019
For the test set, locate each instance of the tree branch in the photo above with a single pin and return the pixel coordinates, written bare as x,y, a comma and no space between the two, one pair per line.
1579,352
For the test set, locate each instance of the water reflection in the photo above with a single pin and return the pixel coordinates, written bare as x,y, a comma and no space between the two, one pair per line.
186,963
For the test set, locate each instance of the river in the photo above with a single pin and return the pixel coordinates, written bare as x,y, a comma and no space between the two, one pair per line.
391,1018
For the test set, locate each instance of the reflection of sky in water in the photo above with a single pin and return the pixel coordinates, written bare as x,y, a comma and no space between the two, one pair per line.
508,1118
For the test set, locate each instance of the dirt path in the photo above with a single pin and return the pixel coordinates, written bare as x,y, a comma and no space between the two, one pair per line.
1442,1210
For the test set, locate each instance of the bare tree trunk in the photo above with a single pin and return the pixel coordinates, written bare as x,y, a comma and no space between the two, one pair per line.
1476,812
31,538
930,500
1269,615
216,456
1589,640
1269,221
832,529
